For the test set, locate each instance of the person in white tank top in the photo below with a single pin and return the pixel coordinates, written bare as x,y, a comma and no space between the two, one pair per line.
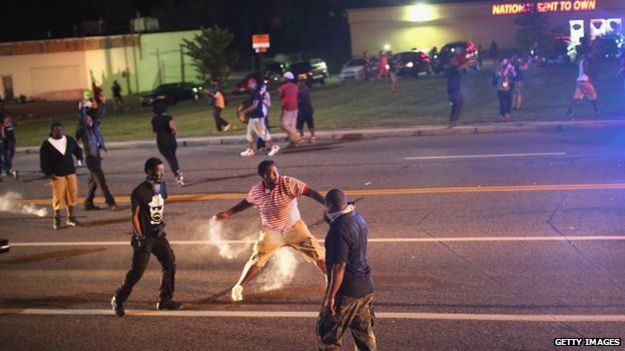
584,87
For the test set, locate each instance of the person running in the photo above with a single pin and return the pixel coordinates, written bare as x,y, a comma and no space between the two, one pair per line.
348,301
584,86
118,100
218,102
7,144
282,225
392,71
305,112
503,80
148,206
256,124
55,156
165,128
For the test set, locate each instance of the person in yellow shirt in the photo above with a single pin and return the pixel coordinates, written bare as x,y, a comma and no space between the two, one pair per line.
218,102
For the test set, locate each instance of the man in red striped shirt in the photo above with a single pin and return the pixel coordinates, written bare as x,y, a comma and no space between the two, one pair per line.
276,197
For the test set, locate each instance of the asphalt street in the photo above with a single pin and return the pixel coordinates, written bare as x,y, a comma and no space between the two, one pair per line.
477,242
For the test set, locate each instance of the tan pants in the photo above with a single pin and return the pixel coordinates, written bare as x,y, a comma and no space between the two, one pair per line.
585,89
288,120
64,192
297,237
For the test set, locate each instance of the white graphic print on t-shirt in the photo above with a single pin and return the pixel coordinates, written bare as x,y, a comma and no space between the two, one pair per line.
157,207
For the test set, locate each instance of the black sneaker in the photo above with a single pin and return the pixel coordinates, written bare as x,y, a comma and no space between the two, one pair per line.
118,307
56,222
71,221
169,305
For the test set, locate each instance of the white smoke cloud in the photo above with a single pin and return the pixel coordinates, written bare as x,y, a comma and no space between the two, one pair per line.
9,202
279,272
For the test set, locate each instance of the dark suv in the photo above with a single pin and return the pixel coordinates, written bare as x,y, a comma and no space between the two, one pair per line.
467,48
305,71
411,63
172,93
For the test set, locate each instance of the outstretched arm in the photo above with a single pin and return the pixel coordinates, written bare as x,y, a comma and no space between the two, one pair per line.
313,194
241,206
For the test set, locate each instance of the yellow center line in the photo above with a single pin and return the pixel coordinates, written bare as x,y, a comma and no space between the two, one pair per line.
380,192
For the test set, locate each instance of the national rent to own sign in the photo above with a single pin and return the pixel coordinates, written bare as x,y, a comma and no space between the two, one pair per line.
515,8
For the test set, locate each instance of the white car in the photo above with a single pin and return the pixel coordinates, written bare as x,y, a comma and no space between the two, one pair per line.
354,69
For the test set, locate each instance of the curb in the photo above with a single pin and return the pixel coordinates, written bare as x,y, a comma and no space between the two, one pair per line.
359,134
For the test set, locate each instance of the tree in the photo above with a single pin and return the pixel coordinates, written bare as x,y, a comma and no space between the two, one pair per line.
212,53
533,31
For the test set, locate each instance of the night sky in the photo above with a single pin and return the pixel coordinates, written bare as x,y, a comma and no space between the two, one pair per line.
288,21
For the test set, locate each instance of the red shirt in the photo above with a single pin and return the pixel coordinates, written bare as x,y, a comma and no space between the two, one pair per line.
278,206
288,94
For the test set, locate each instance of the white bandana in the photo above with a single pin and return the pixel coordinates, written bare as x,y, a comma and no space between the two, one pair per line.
59,144
334,215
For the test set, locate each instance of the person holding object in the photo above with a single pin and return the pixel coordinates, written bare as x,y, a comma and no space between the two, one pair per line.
148,206
348,301
276,197
57,163
503,80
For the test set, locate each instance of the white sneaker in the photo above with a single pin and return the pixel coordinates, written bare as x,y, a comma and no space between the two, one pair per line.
274,150
237,293
248,152
227,127
180,179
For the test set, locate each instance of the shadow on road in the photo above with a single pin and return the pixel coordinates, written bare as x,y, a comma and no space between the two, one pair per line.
53,255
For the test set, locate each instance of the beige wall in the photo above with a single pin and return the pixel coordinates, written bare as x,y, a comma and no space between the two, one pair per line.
407,27
64,75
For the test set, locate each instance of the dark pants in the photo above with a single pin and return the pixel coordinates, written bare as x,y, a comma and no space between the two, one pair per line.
353,313
159,246
7,151
96,179
219,122
457,101
305,119
505,101
167,148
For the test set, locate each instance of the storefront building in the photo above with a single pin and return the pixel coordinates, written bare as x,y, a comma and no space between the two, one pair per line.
424,26
60,69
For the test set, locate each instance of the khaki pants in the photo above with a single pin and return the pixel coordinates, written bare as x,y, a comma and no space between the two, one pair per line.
64,192
297,237
353,313
288,120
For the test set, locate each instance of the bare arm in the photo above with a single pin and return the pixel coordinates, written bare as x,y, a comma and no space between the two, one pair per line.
313,194
241,206
172,126
135,222
335,281
250,108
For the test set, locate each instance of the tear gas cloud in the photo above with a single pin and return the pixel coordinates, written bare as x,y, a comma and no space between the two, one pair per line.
9,202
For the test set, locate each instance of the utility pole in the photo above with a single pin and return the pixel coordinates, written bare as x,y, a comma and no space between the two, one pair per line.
182,62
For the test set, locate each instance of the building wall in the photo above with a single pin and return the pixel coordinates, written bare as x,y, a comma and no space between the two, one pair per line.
407,27
57,74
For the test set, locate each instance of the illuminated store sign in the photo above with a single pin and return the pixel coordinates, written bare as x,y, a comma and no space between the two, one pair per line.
544,6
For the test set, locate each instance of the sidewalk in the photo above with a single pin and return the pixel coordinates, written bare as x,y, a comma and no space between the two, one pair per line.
355,134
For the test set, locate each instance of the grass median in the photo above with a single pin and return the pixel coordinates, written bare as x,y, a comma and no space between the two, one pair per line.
417,101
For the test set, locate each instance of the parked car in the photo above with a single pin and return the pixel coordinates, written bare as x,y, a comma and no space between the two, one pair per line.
412,63
470,51
305,71
607,47
276,67
171,93
354,69
559,51
320,66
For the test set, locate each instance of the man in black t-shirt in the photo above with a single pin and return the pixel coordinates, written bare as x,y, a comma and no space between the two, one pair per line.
348,301
148,204
454,78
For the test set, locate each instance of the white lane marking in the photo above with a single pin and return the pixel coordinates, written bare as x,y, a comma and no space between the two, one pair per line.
484,156
372,240
314,314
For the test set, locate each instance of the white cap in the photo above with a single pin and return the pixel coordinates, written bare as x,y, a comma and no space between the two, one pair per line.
289,75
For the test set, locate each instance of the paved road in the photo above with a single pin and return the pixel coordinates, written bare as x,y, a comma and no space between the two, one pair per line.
478,242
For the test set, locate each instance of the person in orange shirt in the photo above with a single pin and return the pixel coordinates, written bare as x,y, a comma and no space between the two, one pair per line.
218,103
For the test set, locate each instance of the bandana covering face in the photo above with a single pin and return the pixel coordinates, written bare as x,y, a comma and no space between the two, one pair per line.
334,215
